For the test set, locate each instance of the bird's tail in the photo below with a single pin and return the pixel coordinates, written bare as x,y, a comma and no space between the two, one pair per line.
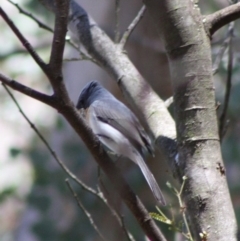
151,180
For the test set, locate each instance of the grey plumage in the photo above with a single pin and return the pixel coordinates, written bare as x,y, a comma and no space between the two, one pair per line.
118,128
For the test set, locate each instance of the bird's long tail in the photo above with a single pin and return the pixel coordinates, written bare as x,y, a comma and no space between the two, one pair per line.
151,180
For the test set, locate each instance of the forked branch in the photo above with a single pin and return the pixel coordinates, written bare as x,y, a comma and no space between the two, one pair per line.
64,105
216,20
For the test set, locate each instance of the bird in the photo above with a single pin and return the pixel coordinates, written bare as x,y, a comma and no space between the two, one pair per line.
118,128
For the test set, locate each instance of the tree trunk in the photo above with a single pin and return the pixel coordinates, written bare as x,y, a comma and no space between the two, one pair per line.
206,193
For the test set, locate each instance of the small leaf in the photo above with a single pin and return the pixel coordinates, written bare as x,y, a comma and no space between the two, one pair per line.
160,218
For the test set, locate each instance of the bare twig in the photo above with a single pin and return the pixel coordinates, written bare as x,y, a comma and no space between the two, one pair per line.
220,54
223,116
164,219
72,59
216,20
102,159
66,108
118,65
53,153
97,194
102,188
25,43
131,27
88,215
117,10
49,100
111,205
128,235
40,24
44,26
82,57
75,46
179,194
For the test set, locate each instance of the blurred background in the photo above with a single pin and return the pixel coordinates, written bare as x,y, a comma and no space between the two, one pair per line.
35,202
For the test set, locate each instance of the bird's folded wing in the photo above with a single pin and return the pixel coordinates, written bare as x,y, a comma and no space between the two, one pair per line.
121,118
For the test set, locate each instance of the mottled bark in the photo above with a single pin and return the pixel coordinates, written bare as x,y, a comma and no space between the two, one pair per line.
188,49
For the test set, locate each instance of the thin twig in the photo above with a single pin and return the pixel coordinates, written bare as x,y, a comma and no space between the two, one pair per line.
110,204
82,58
72,59
44,26
163,218
40,24
117,10
67,109
220,54
49,100
25,43
52,152
179,194
223,116
128,235
103,190
131,27
97,194
172,223
88,215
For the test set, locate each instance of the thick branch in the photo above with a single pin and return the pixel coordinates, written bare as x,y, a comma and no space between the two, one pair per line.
60,30
189,54
215,21
134,87
98,194
70,113
49,100
92,142
54,73
64,105
55,65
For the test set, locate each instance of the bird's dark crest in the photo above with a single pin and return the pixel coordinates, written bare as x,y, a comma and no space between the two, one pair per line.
88,94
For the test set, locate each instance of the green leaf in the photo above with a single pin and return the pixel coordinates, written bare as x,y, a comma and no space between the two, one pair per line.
160,218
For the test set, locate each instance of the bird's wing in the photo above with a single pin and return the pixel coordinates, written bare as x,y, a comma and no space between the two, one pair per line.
121,118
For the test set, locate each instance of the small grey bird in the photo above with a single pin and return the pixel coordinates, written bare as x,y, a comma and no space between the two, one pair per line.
118,128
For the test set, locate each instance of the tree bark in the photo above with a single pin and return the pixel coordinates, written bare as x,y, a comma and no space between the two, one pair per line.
188,49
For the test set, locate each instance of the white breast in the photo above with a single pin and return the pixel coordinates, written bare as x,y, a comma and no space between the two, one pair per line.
110,136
